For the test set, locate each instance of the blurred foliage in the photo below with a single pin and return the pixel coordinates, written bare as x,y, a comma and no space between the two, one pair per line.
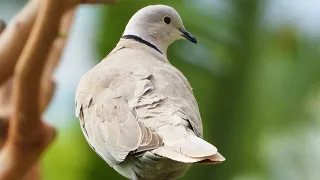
252,84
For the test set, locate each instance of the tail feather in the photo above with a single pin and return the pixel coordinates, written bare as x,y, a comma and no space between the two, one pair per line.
170,153
194,146
181,144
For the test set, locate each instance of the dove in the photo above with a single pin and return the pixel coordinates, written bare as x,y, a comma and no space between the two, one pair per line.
136,110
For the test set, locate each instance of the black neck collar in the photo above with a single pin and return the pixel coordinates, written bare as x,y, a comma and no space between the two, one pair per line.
140,40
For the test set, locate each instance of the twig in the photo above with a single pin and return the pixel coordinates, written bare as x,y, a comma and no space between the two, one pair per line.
47,84
4,103
5,110
15,36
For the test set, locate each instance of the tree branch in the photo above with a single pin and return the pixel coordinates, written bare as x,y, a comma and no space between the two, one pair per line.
4,101
47,83
5,110
47,88
28,136
15,36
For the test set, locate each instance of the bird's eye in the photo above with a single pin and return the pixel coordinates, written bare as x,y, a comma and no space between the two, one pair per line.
167,20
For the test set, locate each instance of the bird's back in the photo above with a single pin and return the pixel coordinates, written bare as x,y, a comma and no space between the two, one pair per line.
139,113
146,80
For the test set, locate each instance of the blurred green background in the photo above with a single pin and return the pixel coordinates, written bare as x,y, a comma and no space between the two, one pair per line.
255,74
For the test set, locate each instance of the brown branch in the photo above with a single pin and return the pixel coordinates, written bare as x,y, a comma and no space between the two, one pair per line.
47,87
3,101
34,173
15,36
47,84
3,130
72,3
28,136
5,110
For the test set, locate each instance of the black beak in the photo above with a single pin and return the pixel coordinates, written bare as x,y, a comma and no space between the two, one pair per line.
188,35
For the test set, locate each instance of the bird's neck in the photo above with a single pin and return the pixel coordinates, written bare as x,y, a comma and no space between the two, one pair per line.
140,47
148,39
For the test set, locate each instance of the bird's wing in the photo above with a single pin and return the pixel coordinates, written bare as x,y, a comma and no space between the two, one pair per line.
110,125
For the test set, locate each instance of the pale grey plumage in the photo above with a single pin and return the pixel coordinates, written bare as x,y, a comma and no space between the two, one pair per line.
138,112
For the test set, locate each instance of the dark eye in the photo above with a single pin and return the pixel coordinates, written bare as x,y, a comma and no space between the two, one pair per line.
167,20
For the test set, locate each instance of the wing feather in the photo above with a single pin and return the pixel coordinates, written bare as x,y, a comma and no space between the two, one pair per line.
106,108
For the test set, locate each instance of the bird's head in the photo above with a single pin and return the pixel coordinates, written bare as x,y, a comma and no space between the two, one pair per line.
160,25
